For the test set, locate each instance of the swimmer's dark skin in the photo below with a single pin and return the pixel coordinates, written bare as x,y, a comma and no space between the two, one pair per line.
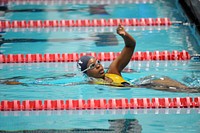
168,84
12,83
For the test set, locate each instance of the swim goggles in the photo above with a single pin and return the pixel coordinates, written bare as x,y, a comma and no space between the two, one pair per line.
92,66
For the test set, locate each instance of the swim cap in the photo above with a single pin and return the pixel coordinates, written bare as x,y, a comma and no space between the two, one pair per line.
83,61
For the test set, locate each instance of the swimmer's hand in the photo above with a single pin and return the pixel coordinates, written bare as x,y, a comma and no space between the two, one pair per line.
121,31
12,83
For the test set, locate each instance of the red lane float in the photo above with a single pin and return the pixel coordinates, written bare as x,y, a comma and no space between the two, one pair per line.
80,104
85,23
61,2
102,56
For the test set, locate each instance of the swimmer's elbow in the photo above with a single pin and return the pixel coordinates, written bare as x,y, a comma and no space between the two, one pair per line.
134,44
129,41
131,45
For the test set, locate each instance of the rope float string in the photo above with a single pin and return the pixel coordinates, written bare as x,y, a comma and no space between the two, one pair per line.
102,56
61,2
85,23
80,104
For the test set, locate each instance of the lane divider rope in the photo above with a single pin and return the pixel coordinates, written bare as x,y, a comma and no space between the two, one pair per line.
61,2
102,56
80,104
85,23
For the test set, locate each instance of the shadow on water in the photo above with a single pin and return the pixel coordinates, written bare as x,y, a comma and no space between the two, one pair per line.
115,126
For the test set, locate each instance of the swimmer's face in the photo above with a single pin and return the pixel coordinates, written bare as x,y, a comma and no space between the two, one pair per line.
97,70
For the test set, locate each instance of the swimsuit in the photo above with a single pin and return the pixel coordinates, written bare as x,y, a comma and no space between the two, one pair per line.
117,81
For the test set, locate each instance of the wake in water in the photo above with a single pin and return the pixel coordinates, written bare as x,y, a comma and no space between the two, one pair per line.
193,80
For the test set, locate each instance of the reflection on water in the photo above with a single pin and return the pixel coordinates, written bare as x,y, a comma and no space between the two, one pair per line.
125,126
106,39
116,126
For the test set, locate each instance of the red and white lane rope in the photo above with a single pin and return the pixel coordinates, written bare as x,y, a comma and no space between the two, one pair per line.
80,104
102,56
61,2
85,23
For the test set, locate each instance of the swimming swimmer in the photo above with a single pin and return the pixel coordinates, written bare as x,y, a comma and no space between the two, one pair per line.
92,67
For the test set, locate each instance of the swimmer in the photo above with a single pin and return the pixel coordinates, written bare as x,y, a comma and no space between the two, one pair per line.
92,67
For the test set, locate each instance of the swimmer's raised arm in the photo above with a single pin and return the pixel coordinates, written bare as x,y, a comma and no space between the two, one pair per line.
123,59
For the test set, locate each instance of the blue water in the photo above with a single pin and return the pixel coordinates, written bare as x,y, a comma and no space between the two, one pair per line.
95,40
163,120
83,11
174,38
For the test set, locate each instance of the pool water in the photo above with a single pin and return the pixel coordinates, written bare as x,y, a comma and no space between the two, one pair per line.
86,40
145,120
58,76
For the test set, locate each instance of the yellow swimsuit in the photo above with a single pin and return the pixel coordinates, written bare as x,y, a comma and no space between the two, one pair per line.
117,80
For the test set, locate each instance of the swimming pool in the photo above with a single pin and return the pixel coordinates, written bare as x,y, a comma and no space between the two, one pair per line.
96,39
